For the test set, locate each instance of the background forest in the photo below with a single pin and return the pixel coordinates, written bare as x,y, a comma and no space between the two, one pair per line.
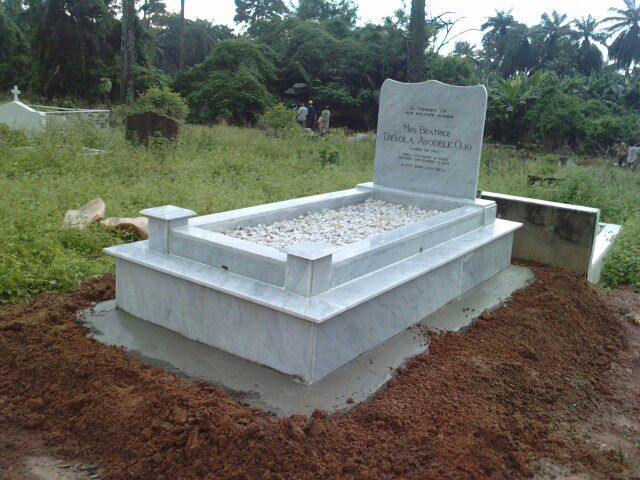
549,83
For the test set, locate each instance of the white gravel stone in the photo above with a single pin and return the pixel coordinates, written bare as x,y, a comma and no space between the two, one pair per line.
335,227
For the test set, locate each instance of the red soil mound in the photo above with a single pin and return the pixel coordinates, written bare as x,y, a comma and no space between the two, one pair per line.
514,394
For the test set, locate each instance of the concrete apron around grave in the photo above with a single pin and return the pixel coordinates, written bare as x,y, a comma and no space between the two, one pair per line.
311,308
267,389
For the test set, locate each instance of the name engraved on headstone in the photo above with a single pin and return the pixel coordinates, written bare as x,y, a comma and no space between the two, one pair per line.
430,138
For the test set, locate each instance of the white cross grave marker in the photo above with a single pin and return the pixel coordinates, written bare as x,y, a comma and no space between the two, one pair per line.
16,92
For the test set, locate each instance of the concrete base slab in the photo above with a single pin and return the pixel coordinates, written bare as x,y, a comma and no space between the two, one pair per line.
264,388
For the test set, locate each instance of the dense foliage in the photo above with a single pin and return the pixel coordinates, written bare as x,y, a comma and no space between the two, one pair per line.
549,83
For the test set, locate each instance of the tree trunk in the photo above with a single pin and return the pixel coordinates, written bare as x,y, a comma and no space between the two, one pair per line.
181,42
128,50
417,39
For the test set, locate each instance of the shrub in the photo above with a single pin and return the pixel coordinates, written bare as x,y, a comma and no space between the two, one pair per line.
279,121
556,119
165,101
230,84
623,265
609,129
454,70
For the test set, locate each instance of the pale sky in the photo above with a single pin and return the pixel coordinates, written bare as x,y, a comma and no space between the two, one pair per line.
473,11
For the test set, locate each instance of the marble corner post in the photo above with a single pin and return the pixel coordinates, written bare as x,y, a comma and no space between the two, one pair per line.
308,271
161,221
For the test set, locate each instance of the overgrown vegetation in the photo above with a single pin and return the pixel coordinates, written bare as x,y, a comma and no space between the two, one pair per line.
223,168
165,101
549,83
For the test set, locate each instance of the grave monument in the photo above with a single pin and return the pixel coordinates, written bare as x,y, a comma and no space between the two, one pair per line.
141,127
33,119
307,307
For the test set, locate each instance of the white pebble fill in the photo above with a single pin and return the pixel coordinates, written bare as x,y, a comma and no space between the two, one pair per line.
335,227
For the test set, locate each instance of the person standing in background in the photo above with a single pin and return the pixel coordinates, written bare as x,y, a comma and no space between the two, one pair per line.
323,121
311,116
622,151
303,113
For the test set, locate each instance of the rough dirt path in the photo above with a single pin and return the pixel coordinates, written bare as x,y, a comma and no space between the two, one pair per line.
549,385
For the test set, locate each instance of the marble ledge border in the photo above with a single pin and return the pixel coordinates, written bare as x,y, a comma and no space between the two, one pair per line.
327,305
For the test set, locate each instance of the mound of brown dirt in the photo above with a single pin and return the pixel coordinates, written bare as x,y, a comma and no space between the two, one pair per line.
521,391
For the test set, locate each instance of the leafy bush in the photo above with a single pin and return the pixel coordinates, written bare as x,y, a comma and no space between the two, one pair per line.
609,129
556,119
454,70
279,120
165,101
231,84
623,265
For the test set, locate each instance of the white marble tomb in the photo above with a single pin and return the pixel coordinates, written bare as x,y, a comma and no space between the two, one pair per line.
310,309
34,119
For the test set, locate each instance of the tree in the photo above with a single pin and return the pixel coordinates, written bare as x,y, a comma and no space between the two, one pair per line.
322,10
625,49
71,53
152,11
231,83
181,42
200,37
253,11
591,59
587,29
508,103
417,42
14,60
464,49
553,31
496,38
127,85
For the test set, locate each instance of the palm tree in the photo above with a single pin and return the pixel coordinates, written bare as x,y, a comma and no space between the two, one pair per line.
591,58
587,29
625,49
553,29
464,49
497,29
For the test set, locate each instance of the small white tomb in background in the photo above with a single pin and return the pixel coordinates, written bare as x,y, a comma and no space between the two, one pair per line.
306,309
33,119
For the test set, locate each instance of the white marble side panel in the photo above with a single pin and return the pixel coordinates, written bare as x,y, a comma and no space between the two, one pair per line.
235,260
237,326
392,238
486,261
343,338
376,258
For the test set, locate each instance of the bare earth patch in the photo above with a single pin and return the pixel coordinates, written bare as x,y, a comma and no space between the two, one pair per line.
547,386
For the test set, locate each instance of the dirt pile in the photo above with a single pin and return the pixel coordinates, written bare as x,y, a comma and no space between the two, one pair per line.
513,391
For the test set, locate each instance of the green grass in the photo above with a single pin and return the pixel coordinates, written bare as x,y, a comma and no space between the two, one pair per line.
222,168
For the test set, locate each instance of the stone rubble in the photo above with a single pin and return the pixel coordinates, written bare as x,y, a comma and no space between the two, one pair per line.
335,227
85,216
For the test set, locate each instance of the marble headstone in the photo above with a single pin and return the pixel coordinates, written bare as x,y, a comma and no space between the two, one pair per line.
430,137
632,157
